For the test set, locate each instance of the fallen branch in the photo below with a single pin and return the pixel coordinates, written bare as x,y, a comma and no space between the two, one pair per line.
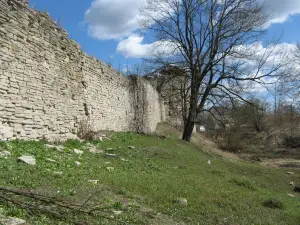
53,207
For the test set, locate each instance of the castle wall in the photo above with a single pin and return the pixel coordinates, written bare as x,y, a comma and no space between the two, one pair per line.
49,87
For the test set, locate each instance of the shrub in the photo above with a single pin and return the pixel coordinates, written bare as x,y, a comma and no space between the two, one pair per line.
85,131
273,204
291,141
232,142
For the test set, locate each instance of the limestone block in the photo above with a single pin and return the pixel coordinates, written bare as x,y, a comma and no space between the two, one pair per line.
6,132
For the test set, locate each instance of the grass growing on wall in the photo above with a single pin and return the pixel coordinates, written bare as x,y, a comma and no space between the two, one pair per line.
153,175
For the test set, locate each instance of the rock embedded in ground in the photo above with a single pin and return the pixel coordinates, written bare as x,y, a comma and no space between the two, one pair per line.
5,154
117,212
290,173
131,147
93,181
181,201
12,221
109,149
50,160
58,148
292,183
146,211
78,152
107,155
58,173
95,150
49,146
293,196
110,168
30,160
296,189
77,163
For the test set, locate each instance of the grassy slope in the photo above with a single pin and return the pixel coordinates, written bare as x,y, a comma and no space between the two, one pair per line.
158,171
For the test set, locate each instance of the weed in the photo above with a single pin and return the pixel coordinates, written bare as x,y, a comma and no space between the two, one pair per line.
243,182
157,172
274,204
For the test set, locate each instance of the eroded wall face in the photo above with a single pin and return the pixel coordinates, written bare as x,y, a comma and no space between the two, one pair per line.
49,87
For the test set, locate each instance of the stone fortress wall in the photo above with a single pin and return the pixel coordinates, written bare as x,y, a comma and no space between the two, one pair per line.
49,87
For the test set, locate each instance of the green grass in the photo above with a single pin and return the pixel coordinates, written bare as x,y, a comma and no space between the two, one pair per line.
157,172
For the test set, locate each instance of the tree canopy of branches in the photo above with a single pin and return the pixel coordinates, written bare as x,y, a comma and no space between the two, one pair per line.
213,40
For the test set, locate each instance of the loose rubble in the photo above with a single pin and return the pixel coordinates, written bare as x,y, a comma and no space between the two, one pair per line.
30,160
76,151
5,154
182,201
11,221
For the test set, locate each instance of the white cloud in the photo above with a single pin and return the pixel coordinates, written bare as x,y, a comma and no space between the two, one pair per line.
281,10
113,19
257,53
274,55
133,47
119,20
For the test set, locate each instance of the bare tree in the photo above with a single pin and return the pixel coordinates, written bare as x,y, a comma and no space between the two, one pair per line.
212,40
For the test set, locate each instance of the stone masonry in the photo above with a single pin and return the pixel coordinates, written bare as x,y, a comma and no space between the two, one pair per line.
49,87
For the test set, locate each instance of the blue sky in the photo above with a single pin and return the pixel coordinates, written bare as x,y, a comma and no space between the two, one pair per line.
106,29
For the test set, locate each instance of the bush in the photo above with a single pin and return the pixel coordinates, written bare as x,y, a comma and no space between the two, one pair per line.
291,141
85,131
273,204
232,142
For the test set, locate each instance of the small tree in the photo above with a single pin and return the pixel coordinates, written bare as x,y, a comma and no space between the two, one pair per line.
212,40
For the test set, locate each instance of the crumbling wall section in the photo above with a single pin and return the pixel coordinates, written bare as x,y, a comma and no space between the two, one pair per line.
48,86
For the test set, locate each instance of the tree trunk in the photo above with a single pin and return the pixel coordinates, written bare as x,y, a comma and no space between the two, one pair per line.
192,114
188,130
190,121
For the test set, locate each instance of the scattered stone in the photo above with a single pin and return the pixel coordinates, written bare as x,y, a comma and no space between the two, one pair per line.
58,148
5,154
51,160
58,173
291,195
182,201
292,183
125,160
109,149
49,146
117,212
296,189
79,152
12,221
131,147
95,150
77,163
291,173
209,162
82,223
107,163
107,155
30,160
110,168
95,182
146,211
